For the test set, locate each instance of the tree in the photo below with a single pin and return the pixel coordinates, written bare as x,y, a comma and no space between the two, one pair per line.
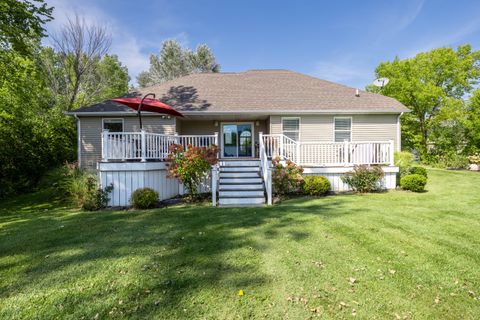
473,123
430,84
21,24
79,47
174,62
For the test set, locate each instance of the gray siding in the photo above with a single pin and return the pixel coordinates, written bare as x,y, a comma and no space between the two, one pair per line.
208,127
91,134
369,127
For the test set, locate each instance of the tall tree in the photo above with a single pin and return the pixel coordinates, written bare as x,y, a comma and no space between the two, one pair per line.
473,122
79,46
431,83
174,62
21,24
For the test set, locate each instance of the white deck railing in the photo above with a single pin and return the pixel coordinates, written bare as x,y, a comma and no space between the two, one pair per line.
329,153
265,168
148,146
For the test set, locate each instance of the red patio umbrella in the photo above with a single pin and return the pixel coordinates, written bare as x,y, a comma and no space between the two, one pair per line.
146,104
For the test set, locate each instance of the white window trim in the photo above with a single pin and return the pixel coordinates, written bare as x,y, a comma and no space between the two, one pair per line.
299,125
351,127
110,119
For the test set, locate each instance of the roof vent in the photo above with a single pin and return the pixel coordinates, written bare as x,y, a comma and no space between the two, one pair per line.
357,93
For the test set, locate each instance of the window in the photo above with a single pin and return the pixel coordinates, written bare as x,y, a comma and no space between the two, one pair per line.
343,129
113,125
291,128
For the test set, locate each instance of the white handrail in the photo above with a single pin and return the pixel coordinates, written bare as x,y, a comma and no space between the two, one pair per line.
266,170
329,153
146,146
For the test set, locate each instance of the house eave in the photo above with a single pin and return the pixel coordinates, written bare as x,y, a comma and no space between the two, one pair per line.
246,112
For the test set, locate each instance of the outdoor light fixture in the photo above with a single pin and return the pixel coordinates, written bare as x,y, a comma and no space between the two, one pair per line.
215,123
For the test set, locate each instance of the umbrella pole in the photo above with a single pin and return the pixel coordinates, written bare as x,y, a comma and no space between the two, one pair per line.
140,108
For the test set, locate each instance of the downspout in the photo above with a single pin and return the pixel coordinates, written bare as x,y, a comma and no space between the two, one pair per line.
79,141
399,133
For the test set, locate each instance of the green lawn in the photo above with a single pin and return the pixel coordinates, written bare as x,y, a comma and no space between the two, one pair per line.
384,256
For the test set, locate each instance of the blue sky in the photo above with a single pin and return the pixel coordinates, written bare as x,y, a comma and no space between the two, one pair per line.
341,41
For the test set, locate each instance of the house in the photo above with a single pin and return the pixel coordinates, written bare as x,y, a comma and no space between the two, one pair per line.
252,116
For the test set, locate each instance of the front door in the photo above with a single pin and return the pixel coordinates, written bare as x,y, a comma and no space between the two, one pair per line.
237,140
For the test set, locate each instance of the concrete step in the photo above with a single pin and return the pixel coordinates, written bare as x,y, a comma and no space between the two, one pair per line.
241,201
240,180
241,194
239,163
241,174
239,187
239,169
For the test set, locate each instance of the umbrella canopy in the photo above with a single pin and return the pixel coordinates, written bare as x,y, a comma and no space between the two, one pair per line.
151,105
146,104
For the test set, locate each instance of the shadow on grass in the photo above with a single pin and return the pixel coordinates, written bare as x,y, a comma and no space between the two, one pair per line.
182,250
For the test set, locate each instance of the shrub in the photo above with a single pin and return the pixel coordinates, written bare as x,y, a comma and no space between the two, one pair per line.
191,166
413,182
144,198
81,188
403,159
364,178
474,158
453,161
418,170
316,185
286,177
96,197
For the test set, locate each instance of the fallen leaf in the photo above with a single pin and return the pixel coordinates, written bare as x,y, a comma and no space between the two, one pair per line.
437,300
392,271
240,292
354,312
352,280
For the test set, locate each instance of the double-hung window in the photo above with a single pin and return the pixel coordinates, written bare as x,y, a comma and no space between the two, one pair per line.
113,125
291,128
343,129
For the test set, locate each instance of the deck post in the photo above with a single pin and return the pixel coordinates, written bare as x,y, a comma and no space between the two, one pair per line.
268,185
345,153
392,152
214,185
215,142
105,145
282,153
144,145
298,150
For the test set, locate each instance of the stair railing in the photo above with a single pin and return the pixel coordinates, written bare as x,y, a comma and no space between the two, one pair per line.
266,170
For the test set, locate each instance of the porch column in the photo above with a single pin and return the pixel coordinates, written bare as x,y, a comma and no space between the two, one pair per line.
144,145
214,185
392,152
346,153
105,145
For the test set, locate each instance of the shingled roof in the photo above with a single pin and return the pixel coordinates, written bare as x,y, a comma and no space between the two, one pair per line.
269,91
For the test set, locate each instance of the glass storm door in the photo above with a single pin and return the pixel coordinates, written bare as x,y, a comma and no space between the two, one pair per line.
237,140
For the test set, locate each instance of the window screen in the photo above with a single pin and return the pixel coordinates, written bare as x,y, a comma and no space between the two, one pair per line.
291,128
113,125
343,129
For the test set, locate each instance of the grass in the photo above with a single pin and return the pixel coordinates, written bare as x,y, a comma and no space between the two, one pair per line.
384,256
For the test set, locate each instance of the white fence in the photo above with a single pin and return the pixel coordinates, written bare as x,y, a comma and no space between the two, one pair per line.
147,146
329,153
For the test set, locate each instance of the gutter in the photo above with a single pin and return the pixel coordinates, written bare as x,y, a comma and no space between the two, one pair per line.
79,141
246,112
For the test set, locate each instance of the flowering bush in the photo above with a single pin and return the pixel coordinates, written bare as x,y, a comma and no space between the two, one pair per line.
364,178
286,178
474,158
191,166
